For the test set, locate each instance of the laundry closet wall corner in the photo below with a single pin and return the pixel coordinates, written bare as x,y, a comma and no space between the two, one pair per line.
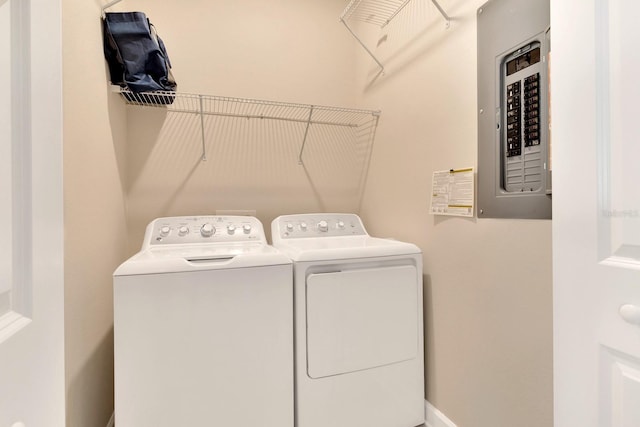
488,308
94,211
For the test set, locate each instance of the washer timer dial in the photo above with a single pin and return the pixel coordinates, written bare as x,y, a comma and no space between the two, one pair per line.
207,230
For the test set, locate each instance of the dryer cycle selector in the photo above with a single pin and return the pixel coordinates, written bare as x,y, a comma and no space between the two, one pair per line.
319,225
207,230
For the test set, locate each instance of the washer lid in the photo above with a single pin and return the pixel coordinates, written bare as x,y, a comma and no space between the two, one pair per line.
177,258
196,243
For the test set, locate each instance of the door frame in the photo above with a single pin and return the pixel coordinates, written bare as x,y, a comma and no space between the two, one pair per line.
32,392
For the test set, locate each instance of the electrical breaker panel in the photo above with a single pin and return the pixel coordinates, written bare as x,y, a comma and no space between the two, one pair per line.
514,152
524,159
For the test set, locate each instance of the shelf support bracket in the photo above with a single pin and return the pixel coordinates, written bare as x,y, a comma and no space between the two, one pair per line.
306,133
443,13
204,152
108,5
363,45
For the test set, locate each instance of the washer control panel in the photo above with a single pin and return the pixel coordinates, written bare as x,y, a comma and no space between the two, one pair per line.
317,225
204,229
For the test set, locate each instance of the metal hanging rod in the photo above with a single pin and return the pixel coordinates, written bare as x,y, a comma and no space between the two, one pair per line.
220,106
248,108
254,116
378,12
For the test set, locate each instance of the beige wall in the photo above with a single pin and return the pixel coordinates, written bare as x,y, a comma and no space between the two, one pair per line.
146,163
285,50
487,282
95,229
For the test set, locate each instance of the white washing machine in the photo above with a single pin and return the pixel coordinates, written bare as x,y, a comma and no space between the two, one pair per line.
203,325
358,323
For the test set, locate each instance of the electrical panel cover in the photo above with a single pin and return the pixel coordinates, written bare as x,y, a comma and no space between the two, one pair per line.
514,139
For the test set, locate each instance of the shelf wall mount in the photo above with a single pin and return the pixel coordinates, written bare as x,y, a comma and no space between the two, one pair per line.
109,5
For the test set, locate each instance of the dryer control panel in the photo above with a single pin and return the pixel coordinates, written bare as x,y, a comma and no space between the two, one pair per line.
317,225
203,229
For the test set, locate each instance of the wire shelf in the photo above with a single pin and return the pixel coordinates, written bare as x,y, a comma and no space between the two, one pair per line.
362,122
377,12
380,13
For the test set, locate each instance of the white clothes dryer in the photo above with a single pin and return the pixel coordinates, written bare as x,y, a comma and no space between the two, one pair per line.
203,327
359,358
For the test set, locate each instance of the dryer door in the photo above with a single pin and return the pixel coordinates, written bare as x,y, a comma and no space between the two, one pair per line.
361,319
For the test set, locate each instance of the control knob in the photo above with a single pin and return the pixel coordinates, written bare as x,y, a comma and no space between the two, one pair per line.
340,225
164,231
289,226
246,228
303,226
183,231
323,226
207,230
231,229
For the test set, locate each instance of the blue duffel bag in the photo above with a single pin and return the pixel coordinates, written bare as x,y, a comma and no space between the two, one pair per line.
136,56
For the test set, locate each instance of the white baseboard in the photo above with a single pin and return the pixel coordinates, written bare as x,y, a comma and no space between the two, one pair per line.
112,420
435,418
